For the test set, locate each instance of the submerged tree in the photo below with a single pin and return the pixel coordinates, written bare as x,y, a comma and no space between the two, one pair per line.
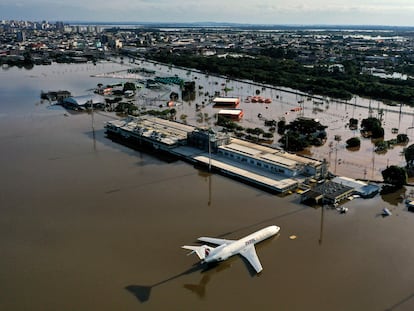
300,133
409,156
292,141
281,127
353,142
129,86
381,146
395,175
372,125
353,123
402,139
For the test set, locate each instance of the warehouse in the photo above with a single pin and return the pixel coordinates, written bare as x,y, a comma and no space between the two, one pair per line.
226,102
232,114
83,102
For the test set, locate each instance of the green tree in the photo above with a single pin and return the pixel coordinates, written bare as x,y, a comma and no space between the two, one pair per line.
353,142
372,125
353,123
129,86
369,123
378,132
306,126
395,175
281,127
292,141
271,66
381,146
409,156
172,113
402,139
228,124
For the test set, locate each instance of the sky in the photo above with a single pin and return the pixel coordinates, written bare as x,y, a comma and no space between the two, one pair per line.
274,12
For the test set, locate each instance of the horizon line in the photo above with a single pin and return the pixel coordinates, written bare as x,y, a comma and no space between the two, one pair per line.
207,23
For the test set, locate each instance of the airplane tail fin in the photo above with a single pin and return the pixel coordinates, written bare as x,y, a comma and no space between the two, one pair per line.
201,251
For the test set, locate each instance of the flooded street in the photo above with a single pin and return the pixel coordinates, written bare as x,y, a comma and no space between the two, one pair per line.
363,163
88,224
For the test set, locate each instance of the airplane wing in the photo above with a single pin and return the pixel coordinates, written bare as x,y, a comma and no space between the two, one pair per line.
250,254
215,240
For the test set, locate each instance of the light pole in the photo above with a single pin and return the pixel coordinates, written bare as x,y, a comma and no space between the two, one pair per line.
93,125
321,231
92,120
209,152
209,133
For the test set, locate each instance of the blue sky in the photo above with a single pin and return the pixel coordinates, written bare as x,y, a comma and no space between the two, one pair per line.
302,12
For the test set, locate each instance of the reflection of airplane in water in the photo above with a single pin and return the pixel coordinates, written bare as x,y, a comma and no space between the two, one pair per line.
143,292
200,288
228,248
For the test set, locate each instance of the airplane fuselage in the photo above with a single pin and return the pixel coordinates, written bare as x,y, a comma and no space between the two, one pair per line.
225,251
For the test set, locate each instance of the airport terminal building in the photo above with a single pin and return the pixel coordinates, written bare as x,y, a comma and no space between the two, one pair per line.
272,160
270,168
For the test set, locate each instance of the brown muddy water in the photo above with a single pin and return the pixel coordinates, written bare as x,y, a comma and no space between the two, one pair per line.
87,224
362,163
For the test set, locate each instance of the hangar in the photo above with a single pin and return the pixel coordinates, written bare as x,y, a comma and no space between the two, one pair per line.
83,102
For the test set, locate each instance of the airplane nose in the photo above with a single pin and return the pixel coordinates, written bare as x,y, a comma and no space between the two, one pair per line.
275,229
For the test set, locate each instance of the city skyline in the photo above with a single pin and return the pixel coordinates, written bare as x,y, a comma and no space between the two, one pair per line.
272,12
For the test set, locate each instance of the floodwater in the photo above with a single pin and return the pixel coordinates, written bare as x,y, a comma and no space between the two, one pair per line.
87,224
363,163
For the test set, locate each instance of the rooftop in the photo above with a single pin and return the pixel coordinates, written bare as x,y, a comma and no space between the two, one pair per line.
230,111
225,99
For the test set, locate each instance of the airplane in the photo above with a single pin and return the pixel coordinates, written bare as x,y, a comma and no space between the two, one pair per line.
228,248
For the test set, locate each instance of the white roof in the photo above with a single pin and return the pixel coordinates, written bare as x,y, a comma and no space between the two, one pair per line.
279,160
84,99
260,154
349,182
275,182
225,99
235,112
242,149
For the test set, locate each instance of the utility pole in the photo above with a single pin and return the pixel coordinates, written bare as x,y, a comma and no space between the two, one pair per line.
93,125
92,120
209,190
321,231
209,151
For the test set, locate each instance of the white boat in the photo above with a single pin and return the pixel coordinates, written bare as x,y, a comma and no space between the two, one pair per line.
342,209
386,212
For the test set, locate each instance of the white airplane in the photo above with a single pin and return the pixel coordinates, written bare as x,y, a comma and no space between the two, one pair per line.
228,248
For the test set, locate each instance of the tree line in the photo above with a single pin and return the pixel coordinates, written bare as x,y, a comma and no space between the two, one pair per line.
281,69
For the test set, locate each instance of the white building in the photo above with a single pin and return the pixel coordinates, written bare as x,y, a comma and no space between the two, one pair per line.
271,160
